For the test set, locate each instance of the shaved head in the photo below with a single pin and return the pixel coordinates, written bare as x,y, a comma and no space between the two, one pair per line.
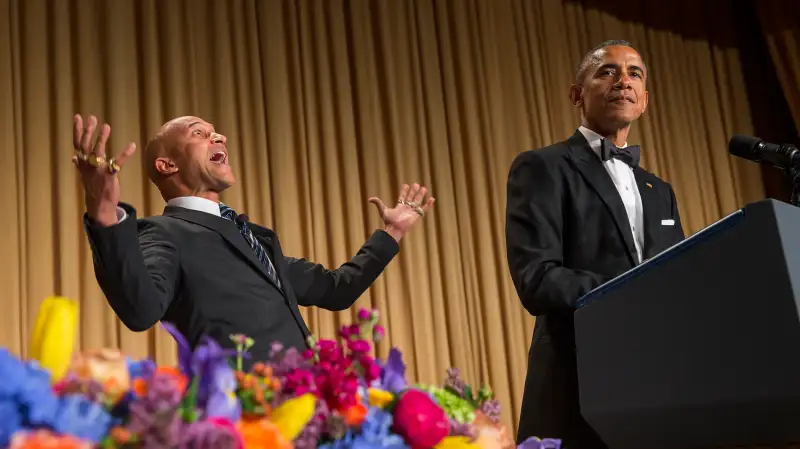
188,157
159,145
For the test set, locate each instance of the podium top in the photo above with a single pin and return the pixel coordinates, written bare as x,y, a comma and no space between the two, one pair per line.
669,253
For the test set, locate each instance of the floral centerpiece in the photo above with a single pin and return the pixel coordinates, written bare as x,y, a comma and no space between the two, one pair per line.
335,395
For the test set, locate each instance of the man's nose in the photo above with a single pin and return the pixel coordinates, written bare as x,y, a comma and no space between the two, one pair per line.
623,82
218,139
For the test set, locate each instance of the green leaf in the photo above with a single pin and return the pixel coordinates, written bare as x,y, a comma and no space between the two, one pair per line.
190,401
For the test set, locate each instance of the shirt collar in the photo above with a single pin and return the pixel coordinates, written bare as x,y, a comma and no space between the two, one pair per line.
196,203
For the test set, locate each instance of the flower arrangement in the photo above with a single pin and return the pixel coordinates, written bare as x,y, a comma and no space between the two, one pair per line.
332,396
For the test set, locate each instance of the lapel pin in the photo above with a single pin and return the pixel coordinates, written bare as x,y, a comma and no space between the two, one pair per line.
648,185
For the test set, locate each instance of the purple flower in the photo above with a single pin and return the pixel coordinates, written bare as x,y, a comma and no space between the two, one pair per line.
458,429
155,417
222,400
393,373
536,443
141,369
208,362
364,314
207,435
80,417
454,382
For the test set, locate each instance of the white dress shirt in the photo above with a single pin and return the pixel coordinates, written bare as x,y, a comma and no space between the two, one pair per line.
622,176
187,202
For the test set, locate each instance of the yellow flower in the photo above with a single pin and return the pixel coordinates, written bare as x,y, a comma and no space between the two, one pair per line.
379,398
456,443
54,336
292,416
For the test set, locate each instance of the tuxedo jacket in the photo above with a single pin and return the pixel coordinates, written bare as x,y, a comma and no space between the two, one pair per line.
197,271
567,232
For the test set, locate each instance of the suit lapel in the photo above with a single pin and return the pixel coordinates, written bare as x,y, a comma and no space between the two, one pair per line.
592,170
650,212
226,228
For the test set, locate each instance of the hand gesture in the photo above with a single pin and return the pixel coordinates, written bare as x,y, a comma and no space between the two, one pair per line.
411,206
98,174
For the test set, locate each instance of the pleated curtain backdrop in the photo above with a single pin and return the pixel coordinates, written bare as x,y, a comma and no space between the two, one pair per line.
326,103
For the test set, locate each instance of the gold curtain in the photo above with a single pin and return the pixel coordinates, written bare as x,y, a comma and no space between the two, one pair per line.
780,20
326,102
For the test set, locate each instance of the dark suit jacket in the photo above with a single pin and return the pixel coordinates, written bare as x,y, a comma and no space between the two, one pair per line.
567,232
196,270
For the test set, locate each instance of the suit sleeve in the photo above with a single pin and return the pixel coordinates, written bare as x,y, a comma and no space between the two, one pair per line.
338,289
137,268
676,214
534,239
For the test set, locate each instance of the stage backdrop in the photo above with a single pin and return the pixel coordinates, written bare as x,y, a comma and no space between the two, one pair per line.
326,103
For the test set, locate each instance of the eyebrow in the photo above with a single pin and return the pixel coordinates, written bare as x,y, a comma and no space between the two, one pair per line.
193,124
632,67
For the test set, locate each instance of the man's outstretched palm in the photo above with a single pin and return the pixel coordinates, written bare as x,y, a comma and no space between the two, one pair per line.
411,206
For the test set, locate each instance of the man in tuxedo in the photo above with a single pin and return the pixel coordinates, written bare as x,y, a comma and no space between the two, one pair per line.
201,266
580,212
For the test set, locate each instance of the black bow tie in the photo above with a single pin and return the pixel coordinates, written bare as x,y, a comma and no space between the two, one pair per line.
629,155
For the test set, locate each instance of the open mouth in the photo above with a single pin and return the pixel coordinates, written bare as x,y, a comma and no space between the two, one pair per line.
219,157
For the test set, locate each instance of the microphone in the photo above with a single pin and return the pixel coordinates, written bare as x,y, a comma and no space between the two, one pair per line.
785,157
242,218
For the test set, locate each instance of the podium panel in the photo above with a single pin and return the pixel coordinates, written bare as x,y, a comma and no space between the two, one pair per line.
699,347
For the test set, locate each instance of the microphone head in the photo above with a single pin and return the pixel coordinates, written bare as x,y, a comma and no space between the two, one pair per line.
745,147
244,218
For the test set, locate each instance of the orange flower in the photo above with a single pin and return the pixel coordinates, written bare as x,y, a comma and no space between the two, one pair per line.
180,380
44,439
261,433
355,414
140,387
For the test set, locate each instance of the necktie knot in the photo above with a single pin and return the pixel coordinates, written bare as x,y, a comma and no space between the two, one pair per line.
227,213
629,155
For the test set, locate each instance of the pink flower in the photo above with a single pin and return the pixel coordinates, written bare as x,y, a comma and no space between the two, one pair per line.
358,346
418,419
364,314
378,333
308,354
227,425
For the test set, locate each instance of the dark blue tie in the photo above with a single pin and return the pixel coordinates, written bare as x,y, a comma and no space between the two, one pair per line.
231,215
629,155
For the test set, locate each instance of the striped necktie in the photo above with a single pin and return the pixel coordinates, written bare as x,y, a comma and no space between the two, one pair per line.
231,215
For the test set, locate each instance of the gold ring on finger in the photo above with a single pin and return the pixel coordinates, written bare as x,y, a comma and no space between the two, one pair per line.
419,211
113,167
80,155
96,161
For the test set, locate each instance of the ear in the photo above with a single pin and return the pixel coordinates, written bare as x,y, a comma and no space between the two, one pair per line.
576,95
644,101
165,166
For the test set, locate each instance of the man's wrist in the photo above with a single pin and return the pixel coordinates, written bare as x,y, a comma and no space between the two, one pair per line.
396,233
104,216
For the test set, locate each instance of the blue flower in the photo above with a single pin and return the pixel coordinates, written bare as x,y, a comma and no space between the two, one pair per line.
12,371
38,403
10,420
80,417
140,369
375,434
